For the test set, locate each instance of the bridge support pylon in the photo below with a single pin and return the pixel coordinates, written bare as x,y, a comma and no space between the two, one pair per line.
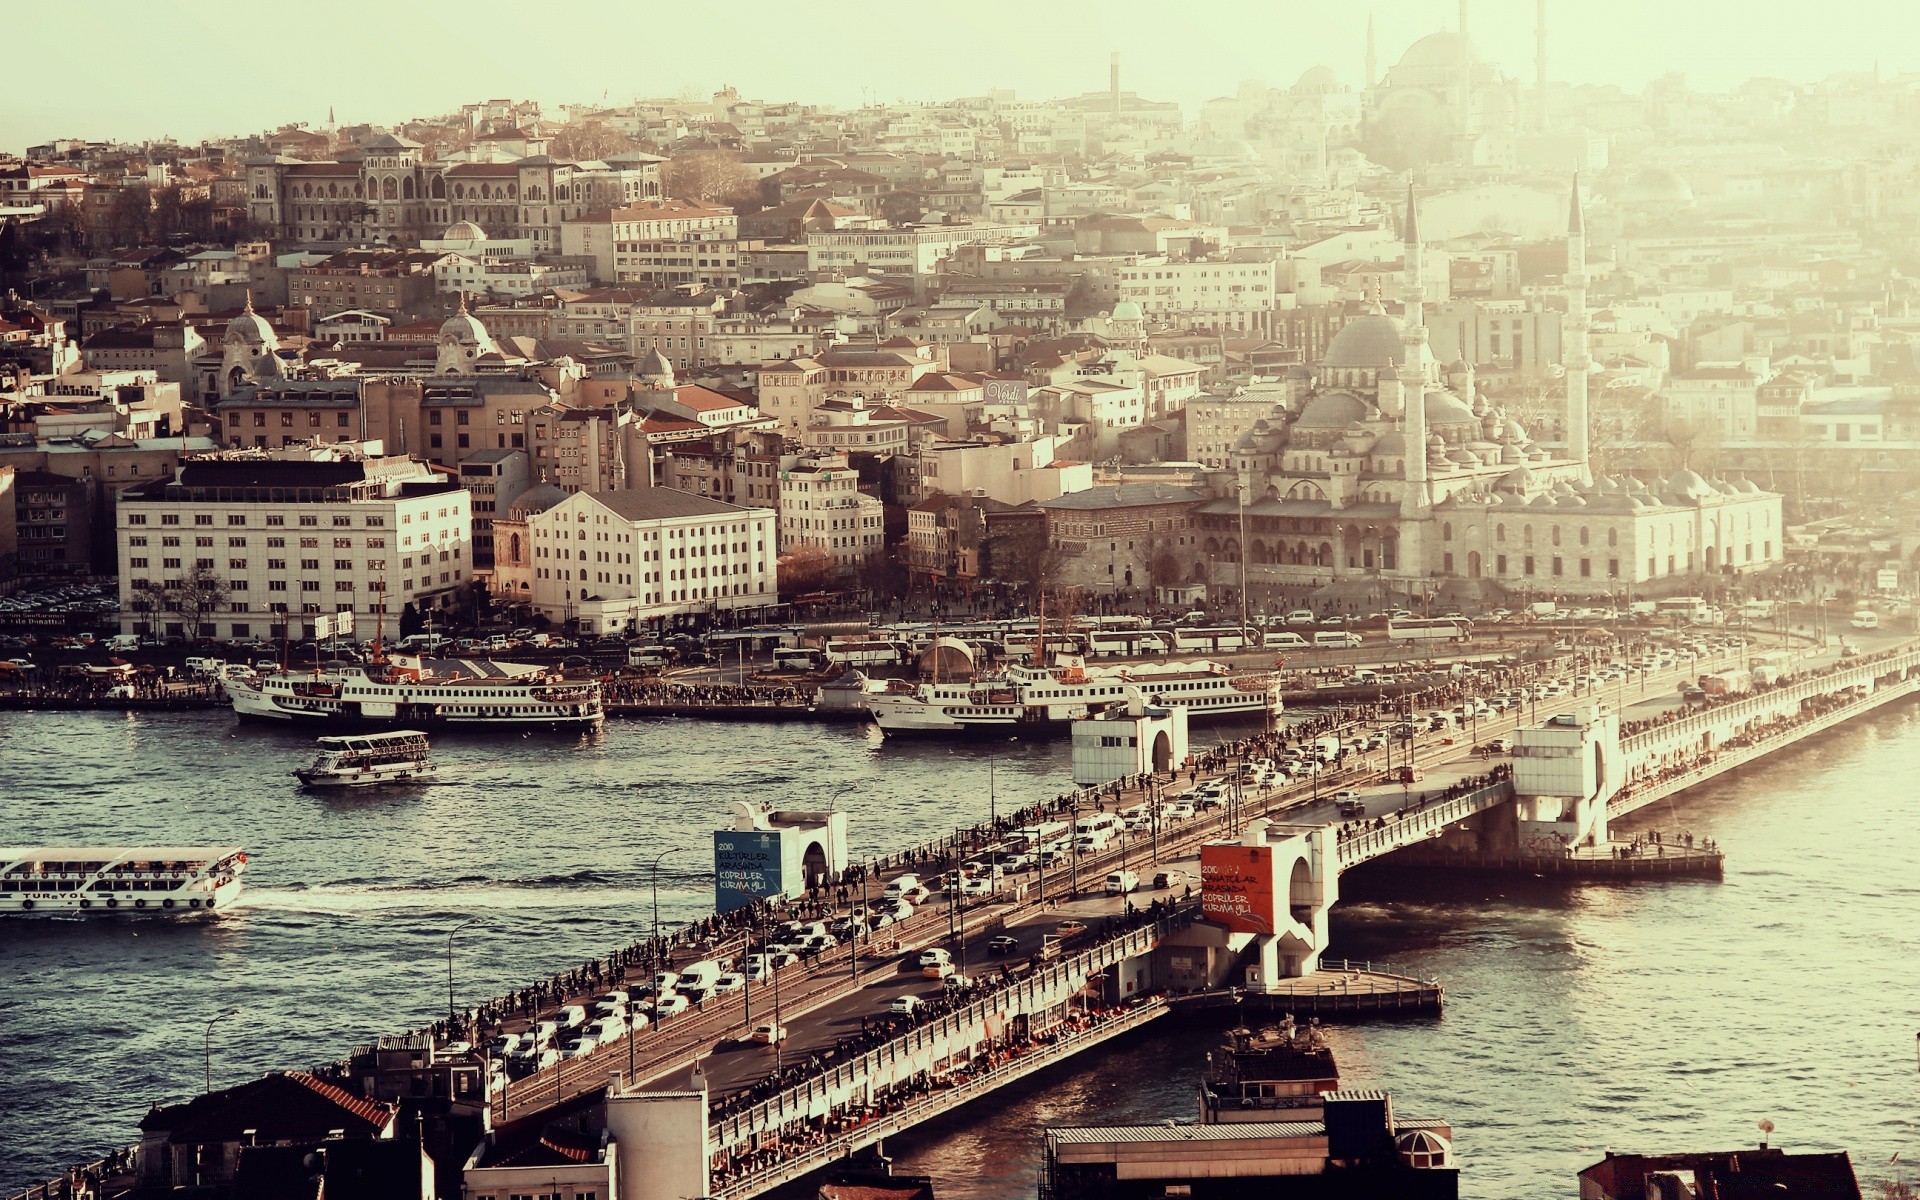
1564,773
1265,898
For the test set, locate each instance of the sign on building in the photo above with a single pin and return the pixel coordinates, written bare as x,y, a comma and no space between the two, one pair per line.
1005,391
746,867
1236,887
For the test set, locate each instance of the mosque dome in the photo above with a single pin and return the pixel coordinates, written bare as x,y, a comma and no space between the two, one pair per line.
536,499
251,327
1441,49
1445,408
1331,410
1127,310
464,231
1371,341
1317,81
464,328
654,363
1390,444
1688,484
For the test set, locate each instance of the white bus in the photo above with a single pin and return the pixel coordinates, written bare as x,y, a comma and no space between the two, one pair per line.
855,653
798,658
1213,640
1128,643
1694,610
1429,629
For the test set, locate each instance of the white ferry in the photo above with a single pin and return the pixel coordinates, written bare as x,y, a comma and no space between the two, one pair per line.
408,691
370,759
163,880
1038,698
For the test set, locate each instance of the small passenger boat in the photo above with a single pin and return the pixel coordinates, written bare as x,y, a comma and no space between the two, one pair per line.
370,759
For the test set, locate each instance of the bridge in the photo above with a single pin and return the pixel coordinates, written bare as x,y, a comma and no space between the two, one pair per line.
693,1111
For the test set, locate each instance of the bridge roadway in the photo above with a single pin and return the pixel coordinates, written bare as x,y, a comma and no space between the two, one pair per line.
855,987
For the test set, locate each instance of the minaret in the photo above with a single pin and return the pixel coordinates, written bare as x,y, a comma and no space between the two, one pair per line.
1113,85
1413,339
1371,74
1573,338
1540,64
1466,82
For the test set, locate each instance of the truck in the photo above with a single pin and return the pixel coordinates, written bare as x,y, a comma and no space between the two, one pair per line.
1326,749
1771,667
1543,610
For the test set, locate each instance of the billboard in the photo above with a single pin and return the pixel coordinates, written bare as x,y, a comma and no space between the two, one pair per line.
746,867
1236,887
1005,391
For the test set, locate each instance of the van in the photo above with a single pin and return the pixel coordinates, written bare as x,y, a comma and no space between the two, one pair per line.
1279,639
1335,639
1301,616
122,643
205,666
1091,843
1119,883
698,975
900,886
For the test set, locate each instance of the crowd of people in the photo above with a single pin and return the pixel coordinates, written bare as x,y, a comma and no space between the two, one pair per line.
146,689
661,694
805,1135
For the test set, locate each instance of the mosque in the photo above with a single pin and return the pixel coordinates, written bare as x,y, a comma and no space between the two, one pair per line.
1383,475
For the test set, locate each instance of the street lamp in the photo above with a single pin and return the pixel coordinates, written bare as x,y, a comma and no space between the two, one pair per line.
206,1044
655,881
450,933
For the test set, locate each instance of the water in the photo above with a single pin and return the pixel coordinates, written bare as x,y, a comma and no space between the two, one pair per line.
1655,1016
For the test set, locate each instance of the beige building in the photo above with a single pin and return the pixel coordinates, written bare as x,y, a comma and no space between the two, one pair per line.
821,505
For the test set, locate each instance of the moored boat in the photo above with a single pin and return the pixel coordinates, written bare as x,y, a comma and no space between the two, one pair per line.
409,692
1035,698
168,881
370,759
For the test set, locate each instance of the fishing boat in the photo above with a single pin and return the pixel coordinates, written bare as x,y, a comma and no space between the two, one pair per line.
370,759
167,881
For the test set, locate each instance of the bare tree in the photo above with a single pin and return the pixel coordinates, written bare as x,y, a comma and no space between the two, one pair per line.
709,176
805,568
194,601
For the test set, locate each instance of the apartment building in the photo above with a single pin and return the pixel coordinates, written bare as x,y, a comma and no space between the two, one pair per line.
288,539
821,505
1222,296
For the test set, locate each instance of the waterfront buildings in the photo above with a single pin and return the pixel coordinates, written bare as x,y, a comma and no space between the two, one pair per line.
615,560
256,547
823,510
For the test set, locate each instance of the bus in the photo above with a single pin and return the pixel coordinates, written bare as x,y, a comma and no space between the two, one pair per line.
862,653
1127,643
1429,629
1217,639
799,658
1690,610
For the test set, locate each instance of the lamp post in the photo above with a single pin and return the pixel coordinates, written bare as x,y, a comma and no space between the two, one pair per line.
654,872
206,1044
450,933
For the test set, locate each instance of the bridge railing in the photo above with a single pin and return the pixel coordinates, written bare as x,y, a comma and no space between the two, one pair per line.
792,1166
1792,692
800,1099
1411,827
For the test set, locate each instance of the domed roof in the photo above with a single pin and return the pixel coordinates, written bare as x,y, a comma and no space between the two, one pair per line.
1390,443
1331,410
655,363
1423,1142
1688,483
536,499
1441,49
1317,81
251,327
464,231
1445,408
1127,310
1371,341
1654,187
465,328
1517,480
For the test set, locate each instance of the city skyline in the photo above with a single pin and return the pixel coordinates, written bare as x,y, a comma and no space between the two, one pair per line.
1715,44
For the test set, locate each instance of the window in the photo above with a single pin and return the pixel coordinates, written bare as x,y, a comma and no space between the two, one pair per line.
236,519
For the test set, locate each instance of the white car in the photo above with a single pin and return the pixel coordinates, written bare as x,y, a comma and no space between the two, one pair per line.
906,1006
670,1004
977,887
728,983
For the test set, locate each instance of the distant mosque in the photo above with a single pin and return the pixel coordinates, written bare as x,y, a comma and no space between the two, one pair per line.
1383,475
1441,102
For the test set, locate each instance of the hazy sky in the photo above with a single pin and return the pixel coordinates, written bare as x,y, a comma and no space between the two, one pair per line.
146,68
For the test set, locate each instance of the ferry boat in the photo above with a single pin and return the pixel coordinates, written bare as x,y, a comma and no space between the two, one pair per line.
171,881
370,759
1037,698
406,691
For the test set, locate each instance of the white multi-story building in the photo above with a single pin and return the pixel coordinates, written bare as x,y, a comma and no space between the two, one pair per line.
288,540
1217,295
821,505
615,560
909,250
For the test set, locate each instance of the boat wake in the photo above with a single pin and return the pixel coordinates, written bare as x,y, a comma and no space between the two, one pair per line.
580,891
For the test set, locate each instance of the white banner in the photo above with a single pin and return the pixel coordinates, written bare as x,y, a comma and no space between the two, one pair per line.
323,626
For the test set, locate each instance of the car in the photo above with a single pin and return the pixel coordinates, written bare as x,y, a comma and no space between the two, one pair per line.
1005,943
905,1006
932,956
1070,929
670,1004
977,887
728,983
958,983
766,1033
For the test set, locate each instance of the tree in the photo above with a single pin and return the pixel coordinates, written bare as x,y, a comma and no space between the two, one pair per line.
411,622
884,574
709,176
130,218
803,569
194,601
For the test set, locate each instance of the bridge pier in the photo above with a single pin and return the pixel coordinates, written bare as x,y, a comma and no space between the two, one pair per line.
1265,899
